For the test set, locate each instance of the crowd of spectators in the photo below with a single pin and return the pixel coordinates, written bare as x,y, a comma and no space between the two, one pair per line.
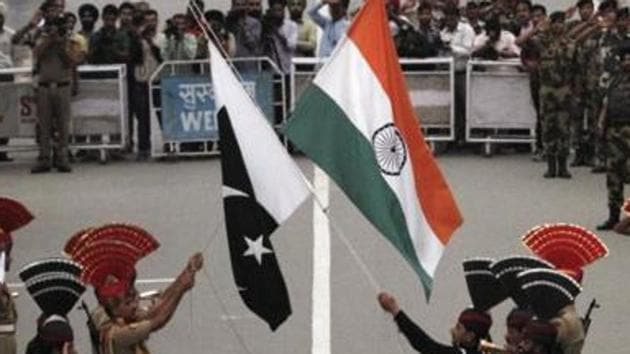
132,34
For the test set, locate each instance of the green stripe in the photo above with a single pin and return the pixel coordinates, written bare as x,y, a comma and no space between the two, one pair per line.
320,129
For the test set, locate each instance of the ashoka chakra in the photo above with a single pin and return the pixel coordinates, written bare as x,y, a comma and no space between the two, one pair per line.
390,149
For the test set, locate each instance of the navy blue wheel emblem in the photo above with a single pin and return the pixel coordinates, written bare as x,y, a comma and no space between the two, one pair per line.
389,149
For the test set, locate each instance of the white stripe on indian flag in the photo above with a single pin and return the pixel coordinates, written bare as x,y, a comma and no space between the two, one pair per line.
366,104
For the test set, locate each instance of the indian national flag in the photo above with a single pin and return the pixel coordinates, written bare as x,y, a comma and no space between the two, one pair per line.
357,123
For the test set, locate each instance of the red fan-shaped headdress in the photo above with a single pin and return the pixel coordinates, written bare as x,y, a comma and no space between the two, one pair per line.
131,236
568,247
13,215
109,255
75,241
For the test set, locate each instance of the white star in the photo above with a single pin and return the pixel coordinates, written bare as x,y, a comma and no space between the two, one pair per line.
256,248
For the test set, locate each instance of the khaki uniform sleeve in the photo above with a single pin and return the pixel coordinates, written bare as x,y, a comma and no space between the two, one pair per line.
570,333
8,314
131,334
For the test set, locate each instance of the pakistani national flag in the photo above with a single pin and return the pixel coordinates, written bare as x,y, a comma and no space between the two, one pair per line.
357,123
262,187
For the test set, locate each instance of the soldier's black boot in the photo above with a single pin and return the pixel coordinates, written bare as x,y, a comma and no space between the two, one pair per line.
563,172
40,168
551,167
613,219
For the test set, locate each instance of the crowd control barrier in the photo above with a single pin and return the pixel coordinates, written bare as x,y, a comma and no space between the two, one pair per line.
183,119
99,111
499,104
431,88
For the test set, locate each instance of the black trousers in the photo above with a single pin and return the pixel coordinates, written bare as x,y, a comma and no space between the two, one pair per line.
143,115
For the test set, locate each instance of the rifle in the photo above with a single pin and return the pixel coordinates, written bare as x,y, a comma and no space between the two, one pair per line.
95,337
586,321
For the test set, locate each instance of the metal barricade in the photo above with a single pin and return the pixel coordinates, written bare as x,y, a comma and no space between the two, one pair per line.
183,114
430,82
499,107
99,111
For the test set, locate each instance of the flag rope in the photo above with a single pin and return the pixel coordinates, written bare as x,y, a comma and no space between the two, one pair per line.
342,237
207,32
226,314
230,322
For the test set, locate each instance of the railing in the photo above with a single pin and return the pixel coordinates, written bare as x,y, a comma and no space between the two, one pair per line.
99,111
183,119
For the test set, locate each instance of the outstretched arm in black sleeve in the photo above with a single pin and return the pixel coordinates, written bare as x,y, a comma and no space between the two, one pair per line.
419,339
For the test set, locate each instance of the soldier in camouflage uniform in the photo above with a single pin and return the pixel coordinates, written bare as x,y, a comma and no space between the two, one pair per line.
585,80
617,122
606,62
555,72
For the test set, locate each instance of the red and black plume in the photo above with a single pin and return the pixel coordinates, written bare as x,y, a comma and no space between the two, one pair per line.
548,291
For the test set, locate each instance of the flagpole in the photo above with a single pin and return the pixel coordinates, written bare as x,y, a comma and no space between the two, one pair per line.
208,32
339,233
321,264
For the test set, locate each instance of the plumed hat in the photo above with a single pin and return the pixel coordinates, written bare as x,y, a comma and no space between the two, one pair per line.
485,293
568,247
109,255
548,291
55,330
13,215
476,321
484,288
506,270
54,284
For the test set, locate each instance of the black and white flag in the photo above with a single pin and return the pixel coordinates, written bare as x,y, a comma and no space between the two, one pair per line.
262,187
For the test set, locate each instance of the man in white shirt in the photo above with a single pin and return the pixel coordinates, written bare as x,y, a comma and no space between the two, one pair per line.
494,39
459,38
334,28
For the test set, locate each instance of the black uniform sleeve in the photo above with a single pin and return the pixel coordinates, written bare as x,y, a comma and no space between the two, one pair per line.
419,340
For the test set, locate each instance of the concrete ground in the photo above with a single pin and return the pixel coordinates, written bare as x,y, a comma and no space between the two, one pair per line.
500,198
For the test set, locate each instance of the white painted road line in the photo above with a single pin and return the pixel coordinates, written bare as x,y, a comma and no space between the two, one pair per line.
321,266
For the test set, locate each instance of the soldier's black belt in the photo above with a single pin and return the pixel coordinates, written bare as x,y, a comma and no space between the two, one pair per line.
53,84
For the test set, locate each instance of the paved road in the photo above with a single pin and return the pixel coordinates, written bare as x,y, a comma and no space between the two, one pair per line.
501,198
